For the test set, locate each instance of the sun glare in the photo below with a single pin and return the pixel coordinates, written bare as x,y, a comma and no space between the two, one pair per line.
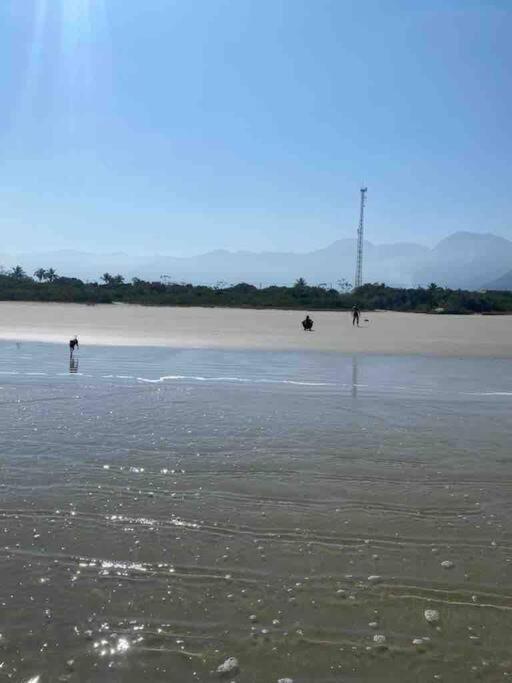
69,38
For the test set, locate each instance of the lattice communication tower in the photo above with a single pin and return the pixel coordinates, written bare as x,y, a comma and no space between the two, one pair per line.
360,242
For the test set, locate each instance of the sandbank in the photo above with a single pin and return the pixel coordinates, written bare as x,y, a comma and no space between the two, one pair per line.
230,328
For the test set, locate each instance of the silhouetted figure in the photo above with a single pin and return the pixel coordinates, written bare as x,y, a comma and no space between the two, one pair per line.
73,344
307,324
356,313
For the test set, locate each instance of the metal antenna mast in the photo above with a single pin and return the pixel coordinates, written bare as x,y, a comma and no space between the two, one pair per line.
360,242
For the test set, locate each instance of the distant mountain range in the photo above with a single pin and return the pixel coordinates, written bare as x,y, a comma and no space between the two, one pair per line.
504,282
463,260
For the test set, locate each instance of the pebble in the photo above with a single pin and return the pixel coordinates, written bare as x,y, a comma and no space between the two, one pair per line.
253,618
417,641
432,616
229,666
373,624
374,578
447,564
285,680
379,639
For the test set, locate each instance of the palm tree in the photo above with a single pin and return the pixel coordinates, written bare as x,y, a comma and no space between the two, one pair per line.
107,278
51,275
17,273
40,274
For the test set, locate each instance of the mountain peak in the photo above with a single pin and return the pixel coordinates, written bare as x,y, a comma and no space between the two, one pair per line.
467,236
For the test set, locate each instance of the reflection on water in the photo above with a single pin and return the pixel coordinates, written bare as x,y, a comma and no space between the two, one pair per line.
167,510
354,376
73,365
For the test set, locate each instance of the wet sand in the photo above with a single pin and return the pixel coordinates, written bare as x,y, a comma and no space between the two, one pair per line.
163,509
130,325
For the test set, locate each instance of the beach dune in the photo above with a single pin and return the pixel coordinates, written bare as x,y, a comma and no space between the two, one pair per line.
131,325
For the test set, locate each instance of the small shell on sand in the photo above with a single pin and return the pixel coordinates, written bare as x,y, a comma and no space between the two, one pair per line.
417,641
447,564
374,578
229,666
379,639
432,616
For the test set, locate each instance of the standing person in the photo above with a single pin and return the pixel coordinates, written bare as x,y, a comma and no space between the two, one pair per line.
73,344
355,315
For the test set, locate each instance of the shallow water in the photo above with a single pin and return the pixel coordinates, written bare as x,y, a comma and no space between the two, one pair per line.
162,510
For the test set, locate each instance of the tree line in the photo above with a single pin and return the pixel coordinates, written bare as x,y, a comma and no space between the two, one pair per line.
47,285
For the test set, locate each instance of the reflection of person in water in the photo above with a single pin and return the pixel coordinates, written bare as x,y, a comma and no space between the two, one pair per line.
73,344
355,315
354,376
73,365
307,324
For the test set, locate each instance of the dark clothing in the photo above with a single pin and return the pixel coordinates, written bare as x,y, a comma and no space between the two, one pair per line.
355,316
307,324
73,343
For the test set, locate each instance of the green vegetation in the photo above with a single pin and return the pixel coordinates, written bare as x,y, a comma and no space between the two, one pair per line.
46,285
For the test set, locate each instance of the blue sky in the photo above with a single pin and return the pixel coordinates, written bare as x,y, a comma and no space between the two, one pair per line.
180,126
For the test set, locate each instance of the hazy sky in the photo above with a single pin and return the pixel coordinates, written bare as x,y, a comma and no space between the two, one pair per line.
181,126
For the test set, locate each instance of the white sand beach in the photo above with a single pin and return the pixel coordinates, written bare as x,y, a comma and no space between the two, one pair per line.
130,325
